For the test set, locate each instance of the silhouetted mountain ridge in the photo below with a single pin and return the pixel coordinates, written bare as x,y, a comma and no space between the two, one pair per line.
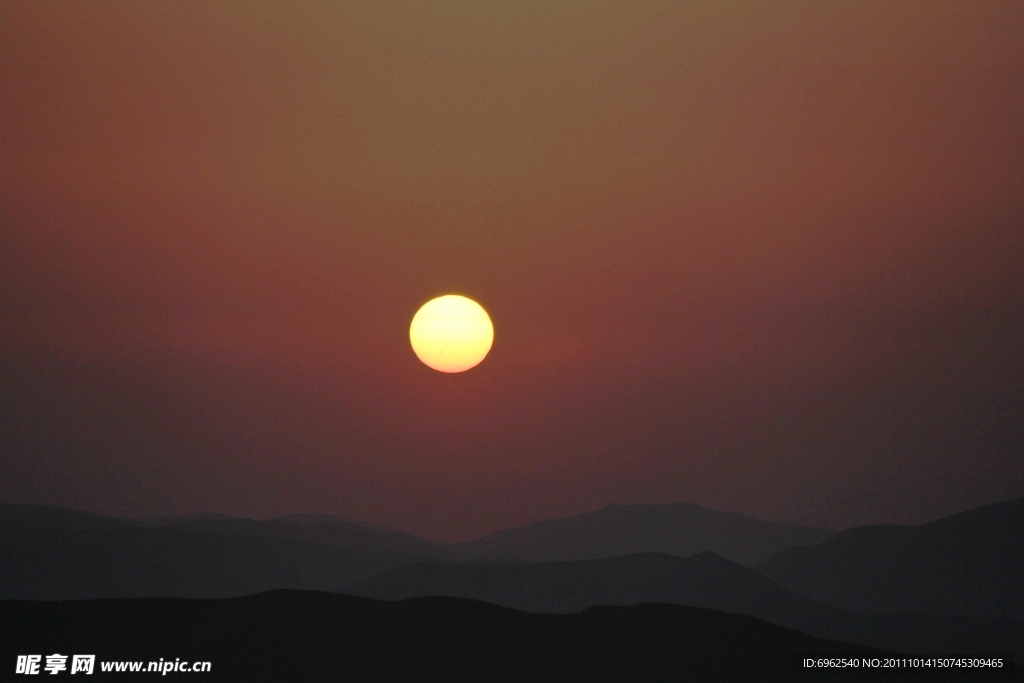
969,564
679,529
310,518
324,532
284,636
703,580
55,564
28,518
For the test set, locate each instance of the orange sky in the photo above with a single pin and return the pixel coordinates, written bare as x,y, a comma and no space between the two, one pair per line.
758,257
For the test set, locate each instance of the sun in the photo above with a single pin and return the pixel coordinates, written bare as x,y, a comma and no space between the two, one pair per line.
451,333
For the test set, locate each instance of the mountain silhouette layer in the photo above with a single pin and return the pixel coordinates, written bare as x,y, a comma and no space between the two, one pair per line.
704,580
970,564
307,636
54,554
676,529
323,530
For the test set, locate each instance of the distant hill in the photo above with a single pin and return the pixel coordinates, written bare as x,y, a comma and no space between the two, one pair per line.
969,564
676,529
286,636
52,554
166,520
323,531
704,580
16,518
309,518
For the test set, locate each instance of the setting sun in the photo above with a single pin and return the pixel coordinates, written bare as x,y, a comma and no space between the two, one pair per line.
451,333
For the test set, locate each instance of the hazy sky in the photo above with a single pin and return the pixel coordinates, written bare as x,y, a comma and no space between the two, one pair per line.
763,257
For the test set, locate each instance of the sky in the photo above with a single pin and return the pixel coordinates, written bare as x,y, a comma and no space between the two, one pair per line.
761,257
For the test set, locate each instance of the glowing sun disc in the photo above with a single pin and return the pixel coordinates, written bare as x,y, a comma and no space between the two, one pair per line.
451,333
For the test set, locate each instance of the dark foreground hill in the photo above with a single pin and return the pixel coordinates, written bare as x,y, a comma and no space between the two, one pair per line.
306,636
969,564
704,580
676,529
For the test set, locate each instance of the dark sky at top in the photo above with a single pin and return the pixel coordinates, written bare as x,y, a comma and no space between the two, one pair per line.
763,257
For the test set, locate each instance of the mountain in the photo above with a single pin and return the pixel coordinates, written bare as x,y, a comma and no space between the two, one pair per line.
704,580
167,520
46,518
676,529
323,531
52,554
285,636
309,518
969,564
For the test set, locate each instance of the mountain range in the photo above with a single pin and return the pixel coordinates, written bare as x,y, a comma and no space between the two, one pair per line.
702,580
50,553
676,529
53,553
935,587
970,564
283,636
